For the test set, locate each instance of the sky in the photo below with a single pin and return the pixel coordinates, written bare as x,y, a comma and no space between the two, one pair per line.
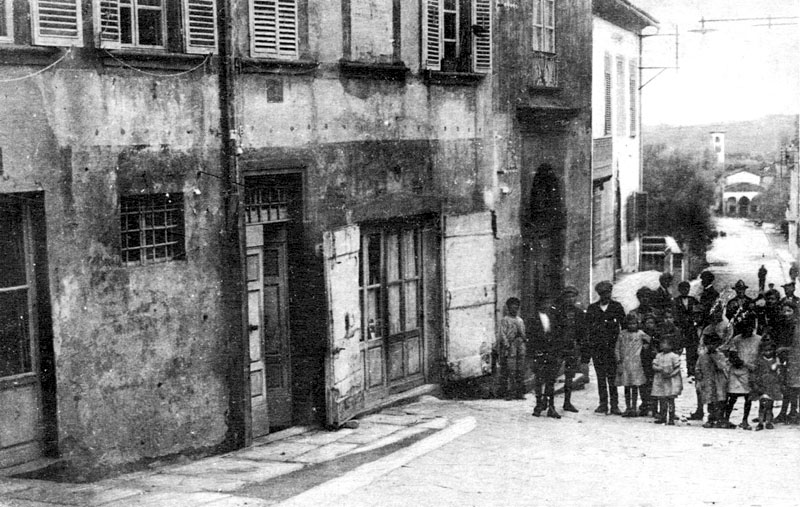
739,71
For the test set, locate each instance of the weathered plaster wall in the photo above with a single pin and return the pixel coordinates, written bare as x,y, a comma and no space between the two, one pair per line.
140,364
516,154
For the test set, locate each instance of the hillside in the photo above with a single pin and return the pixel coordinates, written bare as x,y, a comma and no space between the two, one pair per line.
761,137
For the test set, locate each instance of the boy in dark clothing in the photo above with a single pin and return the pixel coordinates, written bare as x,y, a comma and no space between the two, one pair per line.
683,308
571,325
604,319
548,350
708,298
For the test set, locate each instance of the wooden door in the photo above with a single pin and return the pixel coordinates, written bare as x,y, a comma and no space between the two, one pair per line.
469,261
267,279
344,372
20,387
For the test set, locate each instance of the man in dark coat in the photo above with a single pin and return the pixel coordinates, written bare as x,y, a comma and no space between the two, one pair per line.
738,308
683,309
661,298
604,319
788,289
571,326
548,352
762,278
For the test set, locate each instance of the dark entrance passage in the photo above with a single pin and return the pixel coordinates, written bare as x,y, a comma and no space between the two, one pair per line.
547,223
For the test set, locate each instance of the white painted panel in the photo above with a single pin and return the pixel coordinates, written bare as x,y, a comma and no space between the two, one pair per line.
470,295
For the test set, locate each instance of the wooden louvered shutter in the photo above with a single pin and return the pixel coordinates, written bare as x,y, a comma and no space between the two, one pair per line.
273,28
482,46
432,34
607,95
57,22
107,21
200,26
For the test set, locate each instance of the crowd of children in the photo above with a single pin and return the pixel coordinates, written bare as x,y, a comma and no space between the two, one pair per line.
741,348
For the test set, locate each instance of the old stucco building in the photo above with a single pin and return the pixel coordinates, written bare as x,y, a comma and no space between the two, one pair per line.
186,268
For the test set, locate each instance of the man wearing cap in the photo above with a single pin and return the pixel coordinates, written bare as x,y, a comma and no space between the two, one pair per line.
570,324
708,298
604,320
738,308
788,289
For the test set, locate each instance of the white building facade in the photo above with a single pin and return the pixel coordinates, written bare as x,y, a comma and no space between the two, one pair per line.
618,204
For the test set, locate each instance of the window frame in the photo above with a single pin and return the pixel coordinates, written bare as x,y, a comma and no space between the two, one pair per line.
177,211
38,38
293,53
633,107
607,96
8,11
473,52
544,26
135,8
621,120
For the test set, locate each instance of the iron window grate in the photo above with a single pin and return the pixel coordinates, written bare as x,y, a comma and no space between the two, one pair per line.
152,228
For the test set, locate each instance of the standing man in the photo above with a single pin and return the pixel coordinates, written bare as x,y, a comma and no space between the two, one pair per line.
708,298
788,290
511,349
547,353
762,278
738,308
661,298
572,331
683,309
604,319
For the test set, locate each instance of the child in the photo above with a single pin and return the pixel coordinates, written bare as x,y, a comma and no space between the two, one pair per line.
649,351
742,353
511,352
766,383
628,353
667,382
711,374
667,329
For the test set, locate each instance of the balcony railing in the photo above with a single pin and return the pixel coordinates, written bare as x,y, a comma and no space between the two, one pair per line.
545,70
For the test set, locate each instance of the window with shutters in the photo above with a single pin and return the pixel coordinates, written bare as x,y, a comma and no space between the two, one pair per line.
147,24
633,83
621,117
274,29
544,26
607,95
6,21
55,22
457,35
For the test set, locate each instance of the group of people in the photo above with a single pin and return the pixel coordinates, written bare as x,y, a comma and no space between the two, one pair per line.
737,348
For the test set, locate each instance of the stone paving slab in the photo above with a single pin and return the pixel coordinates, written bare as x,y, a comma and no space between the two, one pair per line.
325,453
279,451
230,466
401,419
188,483
71,494
170,499
238,501
391,438
10,485
321,437
370,432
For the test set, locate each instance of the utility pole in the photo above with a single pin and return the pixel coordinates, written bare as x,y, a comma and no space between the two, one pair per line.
233,314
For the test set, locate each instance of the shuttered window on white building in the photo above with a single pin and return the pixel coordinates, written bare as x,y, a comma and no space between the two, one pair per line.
633,82
621,93
273,29
607,95
142,24
56,22
200,26
442,31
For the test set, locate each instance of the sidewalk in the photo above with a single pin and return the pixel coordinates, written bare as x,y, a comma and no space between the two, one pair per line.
274,469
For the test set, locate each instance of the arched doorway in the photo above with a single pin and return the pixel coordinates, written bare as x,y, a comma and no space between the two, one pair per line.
730,206
546,227
744,206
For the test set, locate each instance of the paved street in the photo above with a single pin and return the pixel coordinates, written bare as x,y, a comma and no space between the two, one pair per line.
485,452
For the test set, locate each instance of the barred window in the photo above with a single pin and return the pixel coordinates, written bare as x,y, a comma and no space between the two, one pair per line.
152,228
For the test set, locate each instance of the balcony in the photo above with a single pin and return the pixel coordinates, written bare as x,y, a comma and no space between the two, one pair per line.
544,71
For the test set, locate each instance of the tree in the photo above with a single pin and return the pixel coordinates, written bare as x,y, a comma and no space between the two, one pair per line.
681,195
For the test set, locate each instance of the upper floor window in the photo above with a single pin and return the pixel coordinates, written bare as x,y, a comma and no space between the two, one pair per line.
544,26
457,35
146,24
273,29
633,71
55,22
621,119
607,95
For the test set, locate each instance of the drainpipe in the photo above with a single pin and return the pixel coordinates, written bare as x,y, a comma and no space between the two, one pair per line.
233,317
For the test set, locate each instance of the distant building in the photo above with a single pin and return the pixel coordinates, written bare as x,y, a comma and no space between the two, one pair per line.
618,204
718,146
739,190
